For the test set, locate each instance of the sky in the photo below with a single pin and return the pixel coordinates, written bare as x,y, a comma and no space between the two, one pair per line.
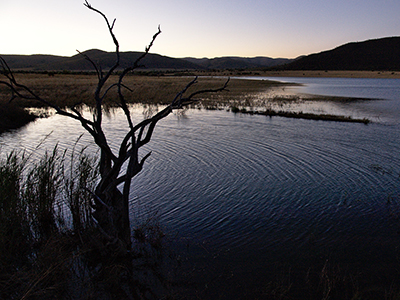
195,28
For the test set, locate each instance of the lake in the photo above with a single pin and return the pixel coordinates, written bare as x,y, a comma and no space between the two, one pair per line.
252,204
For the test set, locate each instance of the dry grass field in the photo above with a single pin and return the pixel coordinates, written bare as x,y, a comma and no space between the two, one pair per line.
66,90
69,89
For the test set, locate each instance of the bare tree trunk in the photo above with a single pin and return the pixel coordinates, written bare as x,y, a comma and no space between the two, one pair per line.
111,197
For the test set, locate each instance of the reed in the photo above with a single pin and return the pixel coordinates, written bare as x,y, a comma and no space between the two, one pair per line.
49,246
79,180
41,188
15,233
36,248
301,115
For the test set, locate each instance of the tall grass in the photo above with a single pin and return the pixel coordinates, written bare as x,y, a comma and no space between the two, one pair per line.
49,245
15,232
41,188
36,246
80,180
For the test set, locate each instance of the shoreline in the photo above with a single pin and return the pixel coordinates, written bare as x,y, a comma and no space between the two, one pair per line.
329,74
68,89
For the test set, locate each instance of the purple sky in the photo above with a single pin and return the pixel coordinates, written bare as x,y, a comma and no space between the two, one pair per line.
197,28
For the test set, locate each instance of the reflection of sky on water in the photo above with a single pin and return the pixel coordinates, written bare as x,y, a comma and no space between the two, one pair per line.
258,191
383,106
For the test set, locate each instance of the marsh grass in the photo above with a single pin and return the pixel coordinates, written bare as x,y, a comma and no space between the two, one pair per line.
69,89
66,90
49,245
79,180
35,247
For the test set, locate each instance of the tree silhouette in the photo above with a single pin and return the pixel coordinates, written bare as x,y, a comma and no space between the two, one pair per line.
111,196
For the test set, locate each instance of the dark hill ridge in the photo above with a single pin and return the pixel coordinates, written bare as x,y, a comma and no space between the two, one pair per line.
377,54
151,62
234,62
103,58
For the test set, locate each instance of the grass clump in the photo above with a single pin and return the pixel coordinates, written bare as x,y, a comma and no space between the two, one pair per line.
50,247
35,248
301,115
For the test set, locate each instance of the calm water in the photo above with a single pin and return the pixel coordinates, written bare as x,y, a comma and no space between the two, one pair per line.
386,90
244,198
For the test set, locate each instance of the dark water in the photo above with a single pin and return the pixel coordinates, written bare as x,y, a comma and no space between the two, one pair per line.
249,200
253,193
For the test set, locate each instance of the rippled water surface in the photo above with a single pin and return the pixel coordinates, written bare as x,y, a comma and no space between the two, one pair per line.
243,197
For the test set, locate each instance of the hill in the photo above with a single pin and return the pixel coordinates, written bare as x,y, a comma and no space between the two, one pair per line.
151,62
377,54
103,58
234,62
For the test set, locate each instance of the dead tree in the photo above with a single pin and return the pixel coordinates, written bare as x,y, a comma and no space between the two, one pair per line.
111,197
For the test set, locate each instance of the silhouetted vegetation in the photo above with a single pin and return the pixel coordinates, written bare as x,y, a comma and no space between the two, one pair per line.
49,245
64,219
65,90
13,116
110,196
301,115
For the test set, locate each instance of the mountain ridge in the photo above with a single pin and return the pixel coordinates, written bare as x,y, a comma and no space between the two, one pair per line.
369,55
374,54
152,61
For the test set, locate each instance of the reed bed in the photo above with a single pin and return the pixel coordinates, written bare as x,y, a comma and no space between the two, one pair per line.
69,89
49,245
66,90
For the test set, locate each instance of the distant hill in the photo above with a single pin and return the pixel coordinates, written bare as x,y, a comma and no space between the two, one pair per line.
151,62
377,54
234,62
103,58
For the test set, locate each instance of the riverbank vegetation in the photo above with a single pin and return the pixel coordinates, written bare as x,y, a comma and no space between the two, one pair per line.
300,115
49,247
69,89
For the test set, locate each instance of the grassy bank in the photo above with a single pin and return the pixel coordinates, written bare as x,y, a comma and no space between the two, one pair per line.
50,247
66,90
69,89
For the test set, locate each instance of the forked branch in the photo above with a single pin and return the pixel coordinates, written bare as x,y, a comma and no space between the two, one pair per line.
107,194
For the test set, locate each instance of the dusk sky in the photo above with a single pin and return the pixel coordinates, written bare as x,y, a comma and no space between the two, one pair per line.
196,28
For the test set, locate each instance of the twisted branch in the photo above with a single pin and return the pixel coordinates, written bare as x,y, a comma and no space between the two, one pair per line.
137,136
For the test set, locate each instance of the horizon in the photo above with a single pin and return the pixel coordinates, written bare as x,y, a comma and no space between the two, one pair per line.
225,56
288,29
45,54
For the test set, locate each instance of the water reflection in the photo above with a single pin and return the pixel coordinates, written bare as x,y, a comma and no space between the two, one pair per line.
243,196
383,97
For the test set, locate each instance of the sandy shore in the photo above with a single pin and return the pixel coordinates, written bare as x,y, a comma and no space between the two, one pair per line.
341,74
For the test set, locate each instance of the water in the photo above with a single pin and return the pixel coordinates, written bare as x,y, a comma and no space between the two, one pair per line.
247,199
387,91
